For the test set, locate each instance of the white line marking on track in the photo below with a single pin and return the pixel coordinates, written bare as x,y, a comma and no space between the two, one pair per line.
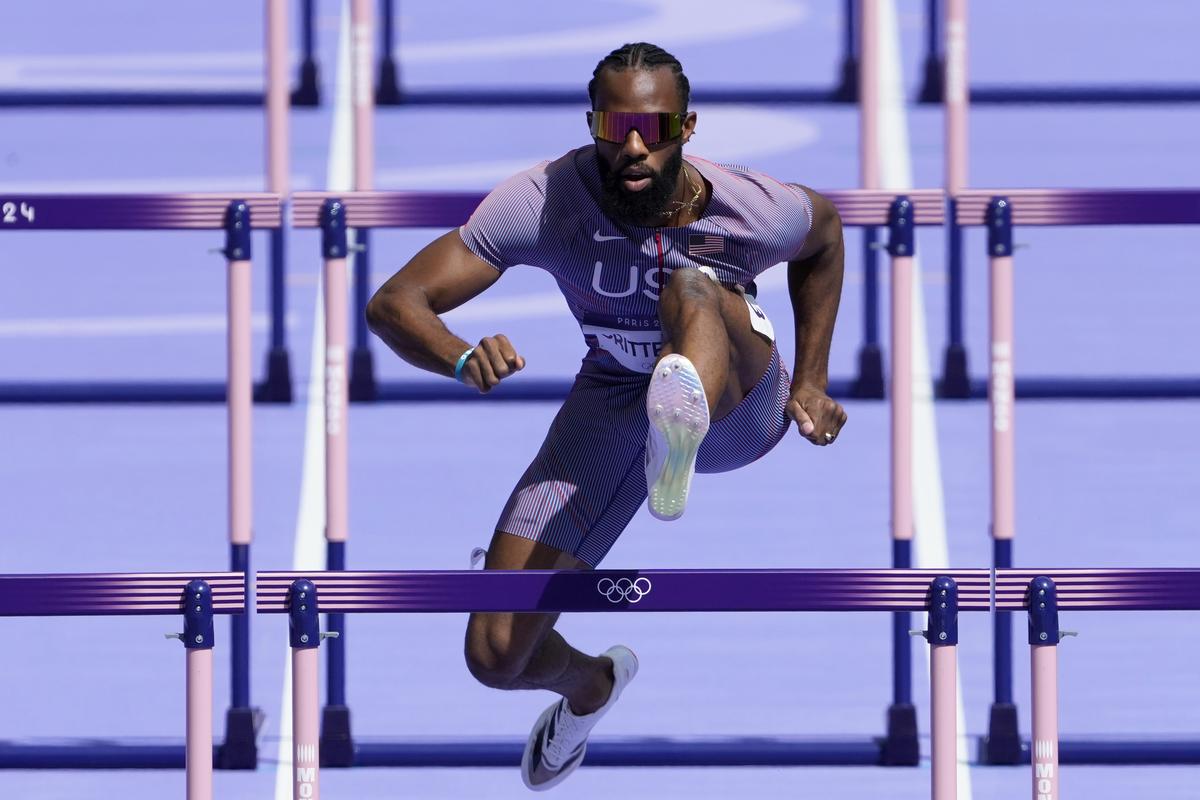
309,551
930,544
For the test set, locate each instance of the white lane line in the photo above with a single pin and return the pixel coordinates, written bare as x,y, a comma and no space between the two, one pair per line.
932,549
164,325
308,548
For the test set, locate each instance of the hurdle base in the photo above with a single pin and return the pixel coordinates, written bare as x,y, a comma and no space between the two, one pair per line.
277,386
846,90
387,92
1003,745
931,84
337,745
306,92
650,751
955,383
240,748
901,748
363,388
869,383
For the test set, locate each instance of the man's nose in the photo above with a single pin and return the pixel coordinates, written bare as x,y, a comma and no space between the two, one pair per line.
634,148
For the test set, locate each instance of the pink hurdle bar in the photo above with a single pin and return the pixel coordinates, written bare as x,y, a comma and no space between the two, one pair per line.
240,394
336,399
362,50
943,701
868,94
305,638
278,99
198,758
1001,388
1044,636
956,97
942,635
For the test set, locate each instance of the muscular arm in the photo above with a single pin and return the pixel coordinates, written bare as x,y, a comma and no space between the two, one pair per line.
815,286
404,312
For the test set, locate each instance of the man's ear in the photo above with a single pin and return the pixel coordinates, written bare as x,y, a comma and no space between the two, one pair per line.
689,126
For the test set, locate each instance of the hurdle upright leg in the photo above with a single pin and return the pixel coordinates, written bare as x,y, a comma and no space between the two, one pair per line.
1044,636
307,91
901,746
239,750
337,746
198,643
1003,743
942,636
305,638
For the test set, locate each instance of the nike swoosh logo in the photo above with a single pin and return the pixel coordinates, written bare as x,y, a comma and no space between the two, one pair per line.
599,238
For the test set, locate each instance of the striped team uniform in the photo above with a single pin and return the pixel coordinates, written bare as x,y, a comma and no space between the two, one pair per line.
588,479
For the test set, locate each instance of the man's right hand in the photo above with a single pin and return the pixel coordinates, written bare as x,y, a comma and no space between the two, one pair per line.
494,360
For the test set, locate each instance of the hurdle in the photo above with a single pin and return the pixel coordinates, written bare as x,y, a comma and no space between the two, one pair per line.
237,217
940,16
390,89
305,93
21,212
335,213
1000,211
276,384
895,591
197,598
1063,207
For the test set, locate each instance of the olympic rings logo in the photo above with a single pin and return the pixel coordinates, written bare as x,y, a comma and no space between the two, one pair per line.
624,589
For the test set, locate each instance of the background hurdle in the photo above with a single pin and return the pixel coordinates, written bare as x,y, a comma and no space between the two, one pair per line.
155,212
1053,207
936,55
276,385
999,211
390,89
237,217
305,93
112,594
899,591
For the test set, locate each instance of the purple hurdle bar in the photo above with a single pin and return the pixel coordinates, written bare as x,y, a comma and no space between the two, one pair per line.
649,590
101,594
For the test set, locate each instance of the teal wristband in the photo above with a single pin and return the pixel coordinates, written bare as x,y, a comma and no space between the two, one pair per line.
462,362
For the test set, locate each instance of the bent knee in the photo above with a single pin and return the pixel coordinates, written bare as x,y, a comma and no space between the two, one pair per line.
495,656
691,285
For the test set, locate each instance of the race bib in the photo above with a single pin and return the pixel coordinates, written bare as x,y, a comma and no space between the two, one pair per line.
634,350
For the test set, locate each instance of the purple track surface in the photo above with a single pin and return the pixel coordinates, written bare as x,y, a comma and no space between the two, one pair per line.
143,488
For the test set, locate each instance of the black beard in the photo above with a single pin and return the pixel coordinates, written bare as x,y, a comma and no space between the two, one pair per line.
646,205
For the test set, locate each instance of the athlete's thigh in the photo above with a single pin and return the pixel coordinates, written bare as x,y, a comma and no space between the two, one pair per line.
749,349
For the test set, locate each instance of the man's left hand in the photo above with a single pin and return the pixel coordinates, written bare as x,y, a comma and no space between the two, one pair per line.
819,418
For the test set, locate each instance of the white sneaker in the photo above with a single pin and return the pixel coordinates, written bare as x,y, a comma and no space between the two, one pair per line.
678,413
558,740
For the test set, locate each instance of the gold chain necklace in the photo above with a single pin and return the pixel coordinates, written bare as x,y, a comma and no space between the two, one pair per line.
680,205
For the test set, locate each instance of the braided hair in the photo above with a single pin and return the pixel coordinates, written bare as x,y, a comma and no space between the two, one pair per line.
642,55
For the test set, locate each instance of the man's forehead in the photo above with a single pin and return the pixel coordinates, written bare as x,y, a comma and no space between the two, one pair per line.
637,90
